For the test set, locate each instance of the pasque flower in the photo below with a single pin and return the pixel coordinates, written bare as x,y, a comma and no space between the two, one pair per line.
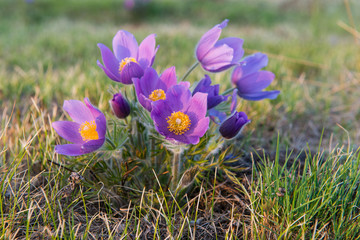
218,55
128,60
120,105
250,81
233,125
150,87
213,97
181,118
86,132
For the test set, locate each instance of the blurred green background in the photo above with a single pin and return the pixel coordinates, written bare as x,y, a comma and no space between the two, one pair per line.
48,53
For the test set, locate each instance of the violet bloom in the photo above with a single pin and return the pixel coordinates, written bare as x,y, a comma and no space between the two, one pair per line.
120,105
150,87
181,118
218,116
250,81
128,60
233,125
218,55
87,132
213,97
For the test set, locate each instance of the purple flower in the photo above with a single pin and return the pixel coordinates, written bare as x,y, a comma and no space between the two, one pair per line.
250,81
233,125
120,105
87,132
150,87
218,55
129,60
181,117
213,97
218,116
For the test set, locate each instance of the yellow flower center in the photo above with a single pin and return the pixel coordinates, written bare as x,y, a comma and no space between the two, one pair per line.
88,131
157,95
126,61
178,123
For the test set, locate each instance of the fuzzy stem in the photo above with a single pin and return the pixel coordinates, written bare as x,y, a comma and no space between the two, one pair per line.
176,168
189,71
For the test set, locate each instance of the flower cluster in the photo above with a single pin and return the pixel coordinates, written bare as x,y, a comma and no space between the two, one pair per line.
180,115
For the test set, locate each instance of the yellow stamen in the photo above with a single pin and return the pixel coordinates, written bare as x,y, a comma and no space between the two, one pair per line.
179,123
157,95
126,61
88,131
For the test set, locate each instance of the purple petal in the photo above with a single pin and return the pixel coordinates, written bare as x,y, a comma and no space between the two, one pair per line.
198,105
145,102
201,127
209,39
160,111
168,77
234,43
185,84
68,130
131,70
69,149
94,110
216,116
108,73
92,145
249,65
101,125
147,51
218,59
255,82
78,111
148,82
110,61
179,97
125,45
256,96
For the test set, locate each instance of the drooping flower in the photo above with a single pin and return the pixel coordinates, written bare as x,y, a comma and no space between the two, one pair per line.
181,118
128,60
218,55
120,105
86,132
233,125
150,87
219,116
213,97
250,81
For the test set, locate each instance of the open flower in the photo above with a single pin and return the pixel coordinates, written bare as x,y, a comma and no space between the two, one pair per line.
213,97
128,60
218,55
87,132
181,117
150,87
250,81
233,125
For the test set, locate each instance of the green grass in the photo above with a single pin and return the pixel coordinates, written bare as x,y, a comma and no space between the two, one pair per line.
48,54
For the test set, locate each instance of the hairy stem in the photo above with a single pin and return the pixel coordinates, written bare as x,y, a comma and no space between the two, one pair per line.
176,168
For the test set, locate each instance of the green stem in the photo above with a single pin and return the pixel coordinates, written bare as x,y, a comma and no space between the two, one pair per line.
228,91
111,143
189,71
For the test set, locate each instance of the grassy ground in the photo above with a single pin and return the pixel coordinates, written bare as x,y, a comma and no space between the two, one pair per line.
48,54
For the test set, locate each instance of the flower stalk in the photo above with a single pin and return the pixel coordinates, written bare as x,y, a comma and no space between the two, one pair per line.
189,71
176,167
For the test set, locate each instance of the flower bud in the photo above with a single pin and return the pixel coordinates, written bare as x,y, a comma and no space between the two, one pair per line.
233,125
120,106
